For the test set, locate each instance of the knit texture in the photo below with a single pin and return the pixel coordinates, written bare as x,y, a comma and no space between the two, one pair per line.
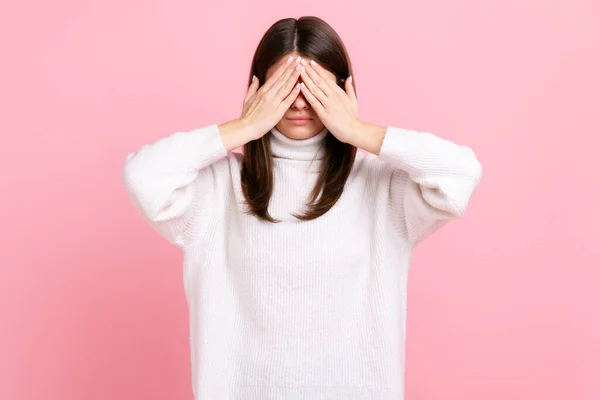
299,310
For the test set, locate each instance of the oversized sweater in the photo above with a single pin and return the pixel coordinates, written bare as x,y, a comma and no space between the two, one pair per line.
299,309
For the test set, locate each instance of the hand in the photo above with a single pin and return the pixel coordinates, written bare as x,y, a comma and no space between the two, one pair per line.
263,108
336,108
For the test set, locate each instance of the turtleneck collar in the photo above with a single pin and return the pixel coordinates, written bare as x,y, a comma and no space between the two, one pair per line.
298,149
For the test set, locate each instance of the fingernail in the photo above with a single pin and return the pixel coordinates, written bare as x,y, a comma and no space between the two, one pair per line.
304,62
298,67
253,78
313,62
289,60
350,78
298,59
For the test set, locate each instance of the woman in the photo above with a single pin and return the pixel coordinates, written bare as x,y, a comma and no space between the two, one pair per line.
296,253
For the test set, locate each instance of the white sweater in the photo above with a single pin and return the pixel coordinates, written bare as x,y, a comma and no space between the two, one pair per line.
299,310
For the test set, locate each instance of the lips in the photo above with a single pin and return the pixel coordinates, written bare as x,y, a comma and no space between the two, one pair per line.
299,121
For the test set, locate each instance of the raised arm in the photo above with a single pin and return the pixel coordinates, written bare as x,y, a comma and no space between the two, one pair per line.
432,181
165,179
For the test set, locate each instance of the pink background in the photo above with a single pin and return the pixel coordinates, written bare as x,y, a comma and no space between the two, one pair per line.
503,304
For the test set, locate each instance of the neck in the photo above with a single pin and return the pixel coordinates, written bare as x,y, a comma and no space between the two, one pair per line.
298,149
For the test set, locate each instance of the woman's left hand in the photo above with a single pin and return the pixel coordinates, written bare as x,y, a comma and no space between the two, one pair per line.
336,108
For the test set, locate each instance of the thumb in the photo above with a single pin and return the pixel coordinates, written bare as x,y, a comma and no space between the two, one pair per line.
254,85
252,89
350,88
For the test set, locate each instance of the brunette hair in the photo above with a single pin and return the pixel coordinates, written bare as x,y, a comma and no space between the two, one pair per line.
310,37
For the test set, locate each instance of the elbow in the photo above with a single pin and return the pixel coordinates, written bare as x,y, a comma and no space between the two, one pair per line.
458,208
133,180
467,187
129,173
137,168
455,207
449,195
467,166
475,169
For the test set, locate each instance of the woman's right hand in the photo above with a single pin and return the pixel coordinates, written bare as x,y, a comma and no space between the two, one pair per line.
263,108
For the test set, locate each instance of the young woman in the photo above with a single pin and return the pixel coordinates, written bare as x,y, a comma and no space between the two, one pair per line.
297,252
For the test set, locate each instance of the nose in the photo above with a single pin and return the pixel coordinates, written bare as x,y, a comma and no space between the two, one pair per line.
300,103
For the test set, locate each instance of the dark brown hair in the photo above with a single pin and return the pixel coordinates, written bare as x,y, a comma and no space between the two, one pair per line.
310,37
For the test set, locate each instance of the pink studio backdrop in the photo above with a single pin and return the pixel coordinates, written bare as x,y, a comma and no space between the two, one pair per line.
502,304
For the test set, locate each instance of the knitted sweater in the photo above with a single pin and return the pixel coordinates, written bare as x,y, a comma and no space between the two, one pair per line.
299,309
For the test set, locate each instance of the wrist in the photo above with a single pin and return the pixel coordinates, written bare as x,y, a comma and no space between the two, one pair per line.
236,133
248,129
369,137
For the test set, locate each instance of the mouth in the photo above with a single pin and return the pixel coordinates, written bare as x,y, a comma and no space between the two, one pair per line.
299,121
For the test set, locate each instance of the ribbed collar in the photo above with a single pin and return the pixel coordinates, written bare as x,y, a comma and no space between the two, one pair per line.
294,149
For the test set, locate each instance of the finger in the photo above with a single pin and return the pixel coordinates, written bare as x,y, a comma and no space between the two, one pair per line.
322,74
282,69
319,81
318,69
337,89
350,89
314,102
278,72
284,90
284,78
287,102
251,89
312,87
252,103
251,94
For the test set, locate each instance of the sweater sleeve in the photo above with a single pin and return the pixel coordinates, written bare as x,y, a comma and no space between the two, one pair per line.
163,179
432,180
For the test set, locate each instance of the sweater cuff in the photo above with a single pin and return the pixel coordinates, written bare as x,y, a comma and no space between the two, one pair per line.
213,142
404,148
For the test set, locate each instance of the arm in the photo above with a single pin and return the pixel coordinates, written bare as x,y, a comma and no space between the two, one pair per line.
432,181
162,179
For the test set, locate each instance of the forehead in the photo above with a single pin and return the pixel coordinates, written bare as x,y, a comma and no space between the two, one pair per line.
283,60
